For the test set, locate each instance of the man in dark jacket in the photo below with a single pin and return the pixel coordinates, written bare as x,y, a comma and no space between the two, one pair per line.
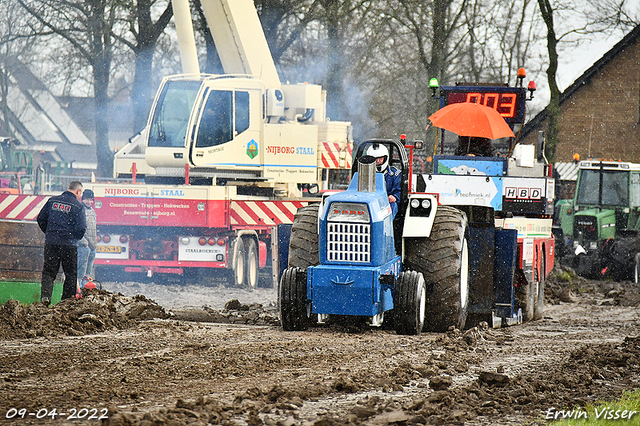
63,221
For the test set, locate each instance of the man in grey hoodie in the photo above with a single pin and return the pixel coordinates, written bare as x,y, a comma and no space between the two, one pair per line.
87,245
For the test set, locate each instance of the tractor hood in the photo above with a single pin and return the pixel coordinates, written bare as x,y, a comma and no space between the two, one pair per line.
594,224
356,228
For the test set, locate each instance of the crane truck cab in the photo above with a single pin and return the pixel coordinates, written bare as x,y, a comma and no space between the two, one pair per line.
243,128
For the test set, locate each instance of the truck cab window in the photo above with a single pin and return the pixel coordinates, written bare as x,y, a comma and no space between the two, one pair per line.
216,123
242,112
615,189
588,188
171,116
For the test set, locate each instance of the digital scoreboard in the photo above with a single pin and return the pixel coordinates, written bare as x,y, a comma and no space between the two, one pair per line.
508,101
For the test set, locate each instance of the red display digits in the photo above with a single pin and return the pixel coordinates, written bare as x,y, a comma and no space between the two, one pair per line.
504,103
508,105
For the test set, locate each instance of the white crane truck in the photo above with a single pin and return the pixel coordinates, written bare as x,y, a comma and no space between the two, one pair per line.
223,162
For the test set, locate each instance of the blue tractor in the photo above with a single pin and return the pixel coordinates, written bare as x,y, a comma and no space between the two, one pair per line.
349,256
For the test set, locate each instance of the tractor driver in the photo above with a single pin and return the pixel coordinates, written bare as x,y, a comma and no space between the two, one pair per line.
392,176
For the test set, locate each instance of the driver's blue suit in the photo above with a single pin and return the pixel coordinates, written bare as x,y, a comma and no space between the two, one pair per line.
393,180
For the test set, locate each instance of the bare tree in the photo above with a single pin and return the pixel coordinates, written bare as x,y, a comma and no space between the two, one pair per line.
213,65
146,33
284,21
553,109
15,41
88,27
435,32
594,19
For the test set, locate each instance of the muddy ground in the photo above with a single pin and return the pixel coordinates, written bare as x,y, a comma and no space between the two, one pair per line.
191,360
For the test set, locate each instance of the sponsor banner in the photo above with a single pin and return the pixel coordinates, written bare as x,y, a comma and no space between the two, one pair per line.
142,211
527,227
477,166
525,195
161,206
518,195
466,190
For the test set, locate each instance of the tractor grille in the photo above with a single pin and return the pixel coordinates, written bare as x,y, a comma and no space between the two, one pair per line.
348,242
588,225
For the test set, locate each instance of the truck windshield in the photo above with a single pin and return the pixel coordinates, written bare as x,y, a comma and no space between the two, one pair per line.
615,188
171,116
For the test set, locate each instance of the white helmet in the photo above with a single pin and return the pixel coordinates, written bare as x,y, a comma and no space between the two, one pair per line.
377,150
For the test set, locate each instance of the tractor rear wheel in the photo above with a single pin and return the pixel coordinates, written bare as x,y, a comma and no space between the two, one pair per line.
294,313
443,259
303,245
409,304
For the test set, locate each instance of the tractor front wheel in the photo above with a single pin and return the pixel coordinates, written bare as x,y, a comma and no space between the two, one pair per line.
409,304
294,313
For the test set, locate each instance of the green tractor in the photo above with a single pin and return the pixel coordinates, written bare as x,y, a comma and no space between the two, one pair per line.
597,231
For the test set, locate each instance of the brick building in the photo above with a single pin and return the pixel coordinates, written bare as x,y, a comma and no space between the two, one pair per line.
600,111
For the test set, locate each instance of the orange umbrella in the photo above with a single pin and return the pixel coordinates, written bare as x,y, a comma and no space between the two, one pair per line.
467,119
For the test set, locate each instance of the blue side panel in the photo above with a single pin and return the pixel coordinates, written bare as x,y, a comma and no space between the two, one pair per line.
505,271
345,290
481,268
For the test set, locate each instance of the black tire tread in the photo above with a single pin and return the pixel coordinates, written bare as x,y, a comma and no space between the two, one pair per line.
303,245
407,303
293,299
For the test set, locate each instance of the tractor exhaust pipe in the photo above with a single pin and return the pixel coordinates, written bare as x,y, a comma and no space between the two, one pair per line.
367,174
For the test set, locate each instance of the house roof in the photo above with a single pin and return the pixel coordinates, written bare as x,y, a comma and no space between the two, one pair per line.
40,121
585,78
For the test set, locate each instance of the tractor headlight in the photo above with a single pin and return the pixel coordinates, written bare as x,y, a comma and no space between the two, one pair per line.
420,207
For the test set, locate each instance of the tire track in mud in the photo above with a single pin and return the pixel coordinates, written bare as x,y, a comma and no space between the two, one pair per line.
176,371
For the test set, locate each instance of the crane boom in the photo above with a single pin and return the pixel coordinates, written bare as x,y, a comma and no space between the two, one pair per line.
186,38
239,39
